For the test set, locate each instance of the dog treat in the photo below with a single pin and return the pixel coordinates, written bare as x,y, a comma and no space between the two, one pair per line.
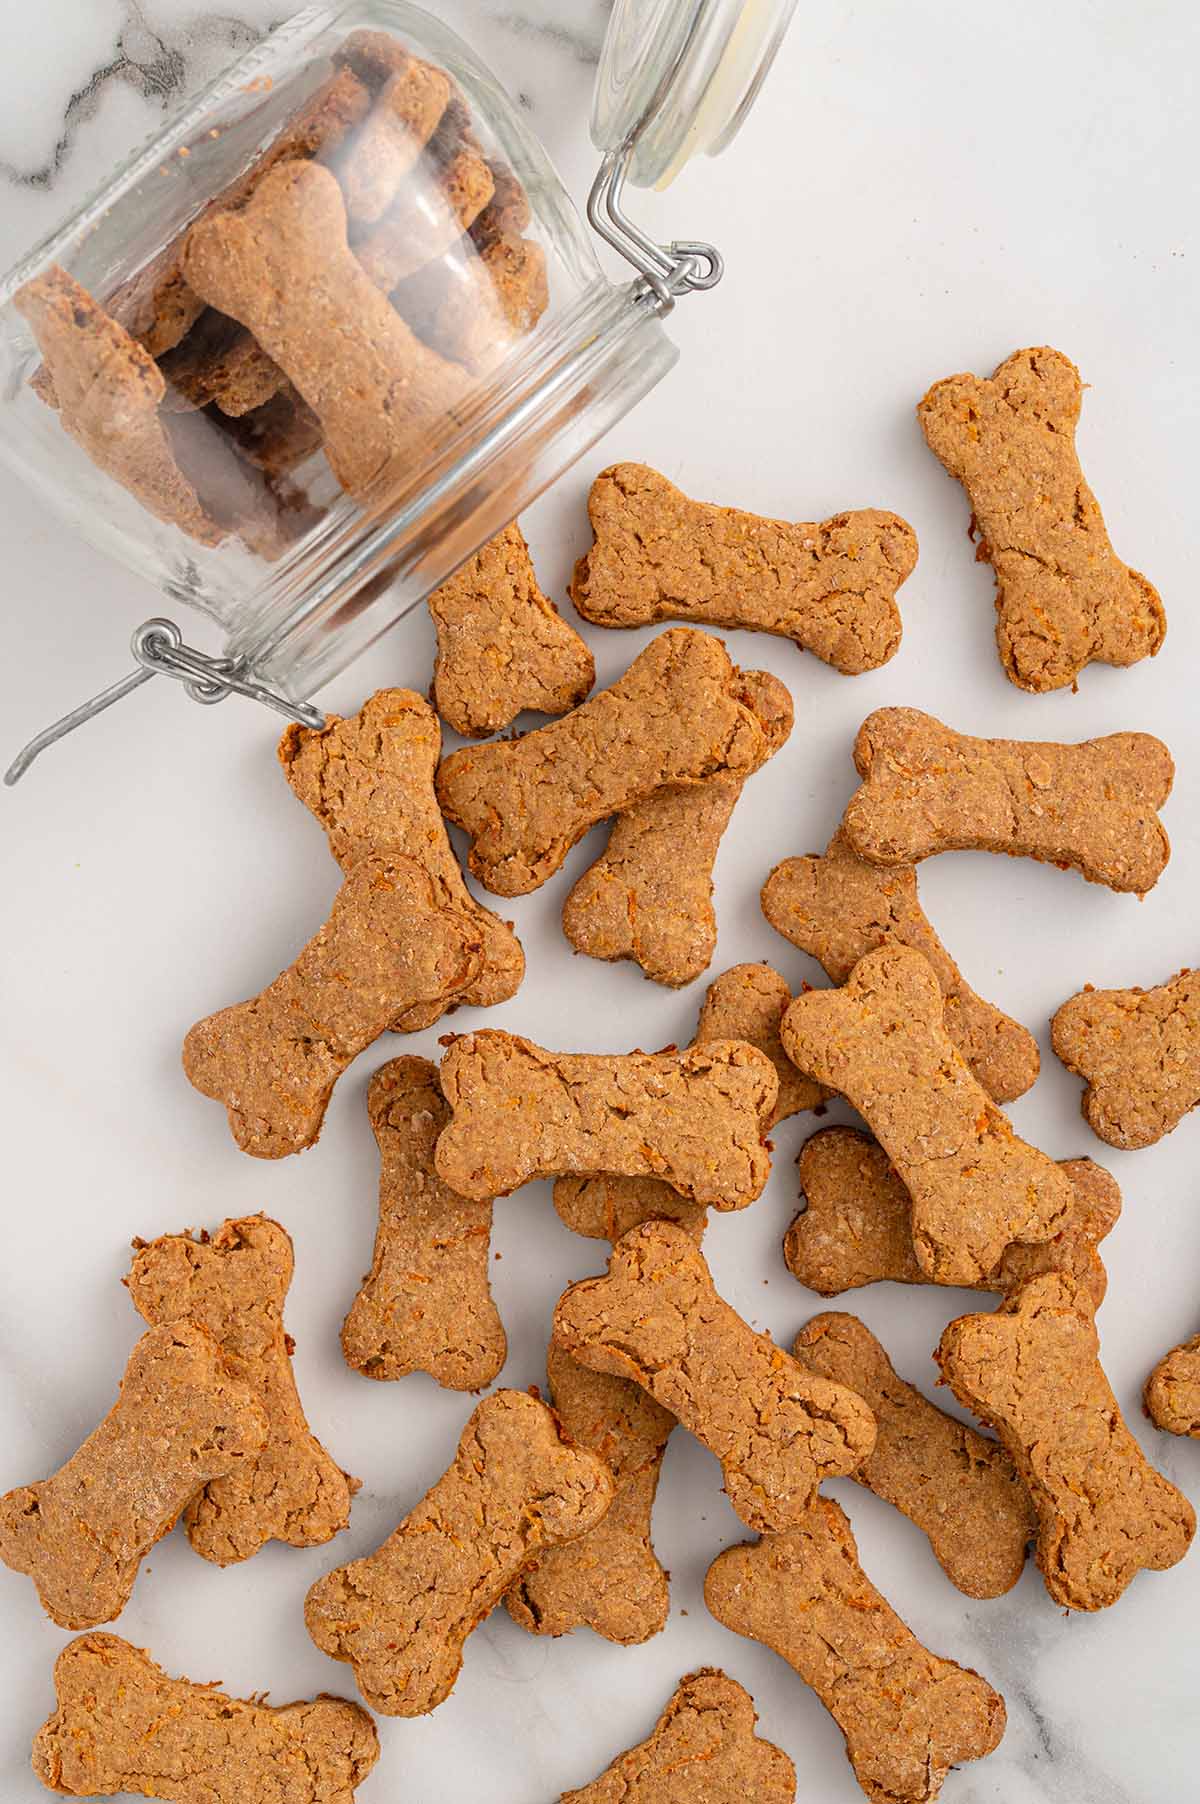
605,1208
881,1043
369,780
282,267
474,302
426,1304
180,1420
857,1228
233,1287
838,907
649,896
277,437
109,393
508,213
1173,1390
1064,599
123,1726
907,1715
1138,1051
1032,1371
657,1319
927,789
386,149
831,588
401,1616
428,216
960,1489
608,1580
676,716
703,1751
392,941
502,645
693,1118
219,363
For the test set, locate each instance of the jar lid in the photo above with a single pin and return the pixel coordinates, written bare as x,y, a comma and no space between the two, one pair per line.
677,78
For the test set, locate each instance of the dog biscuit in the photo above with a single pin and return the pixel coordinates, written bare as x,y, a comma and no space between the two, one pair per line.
401,1616
656,1318
693,1118
1064,599
838,907
386,149
181,1419
1138,1051
474,302
428,216
907,1715
831,588
927,789
1173,1390
123,1726
703,1751
881,1043
605,1208
674,717
1032,1371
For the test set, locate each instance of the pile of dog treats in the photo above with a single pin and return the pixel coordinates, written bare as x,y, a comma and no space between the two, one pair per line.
547,1505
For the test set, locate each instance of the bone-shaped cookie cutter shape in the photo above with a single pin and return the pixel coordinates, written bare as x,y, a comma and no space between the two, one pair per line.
1138,1051
1172,1393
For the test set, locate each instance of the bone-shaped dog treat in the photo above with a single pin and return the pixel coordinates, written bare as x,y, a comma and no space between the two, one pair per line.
502,645
674,717
703,1751
605,1208
386,149
656,1318
608,1580
473,303
649,896
391,943
928,789
368,779
430,212
401,1616
181,1419
857,1227
660,556
233,1286
1138,1051
282,266
1173,1390
838,907
1033,1372
881,1043
693,1118
960,1489
907,1715
1063,597
220,363
123,1726
426,1305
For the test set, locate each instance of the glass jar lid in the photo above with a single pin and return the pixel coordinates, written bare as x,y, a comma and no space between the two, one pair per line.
677,78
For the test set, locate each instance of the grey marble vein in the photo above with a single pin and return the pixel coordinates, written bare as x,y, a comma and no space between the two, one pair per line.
583,46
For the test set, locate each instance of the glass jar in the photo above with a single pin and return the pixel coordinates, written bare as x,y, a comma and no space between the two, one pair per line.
339,323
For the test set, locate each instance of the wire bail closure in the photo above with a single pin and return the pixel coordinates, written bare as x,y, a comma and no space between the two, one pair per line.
686,266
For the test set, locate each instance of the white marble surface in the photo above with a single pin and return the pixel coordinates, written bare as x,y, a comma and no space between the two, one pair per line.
924,187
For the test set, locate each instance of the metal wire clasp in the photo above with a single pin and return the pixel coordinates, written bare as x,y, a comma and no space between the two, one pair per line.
683,267
159,649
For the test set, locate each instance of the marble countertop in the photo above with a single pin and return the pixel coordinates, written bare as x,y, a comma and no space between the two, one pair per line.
922,188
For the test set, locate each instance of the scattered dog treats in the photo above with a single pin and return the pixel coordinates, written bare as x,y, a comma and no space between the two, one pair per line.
1063,596
660,556
674,717
649,896
907,1715
1173,1390
961,1490
426,1304
123,1726
368,779
1138,1051
857,1228
927,789
1032,1371
881,1043
386,150
428,216
401,1616
693,1118
502,645
703,1751
656,1318
838,907
608,1580
282,267
233,1287
181,1419
391,942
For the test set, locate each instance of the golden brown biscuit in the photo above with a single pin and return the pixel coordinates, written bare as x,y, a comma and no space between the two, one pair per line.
478,299
386,149
1173,1390
429,214
1138,1051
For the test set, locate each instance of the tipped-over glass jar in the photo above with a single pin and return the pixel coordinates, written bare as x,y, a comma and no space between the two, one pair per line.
338,323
